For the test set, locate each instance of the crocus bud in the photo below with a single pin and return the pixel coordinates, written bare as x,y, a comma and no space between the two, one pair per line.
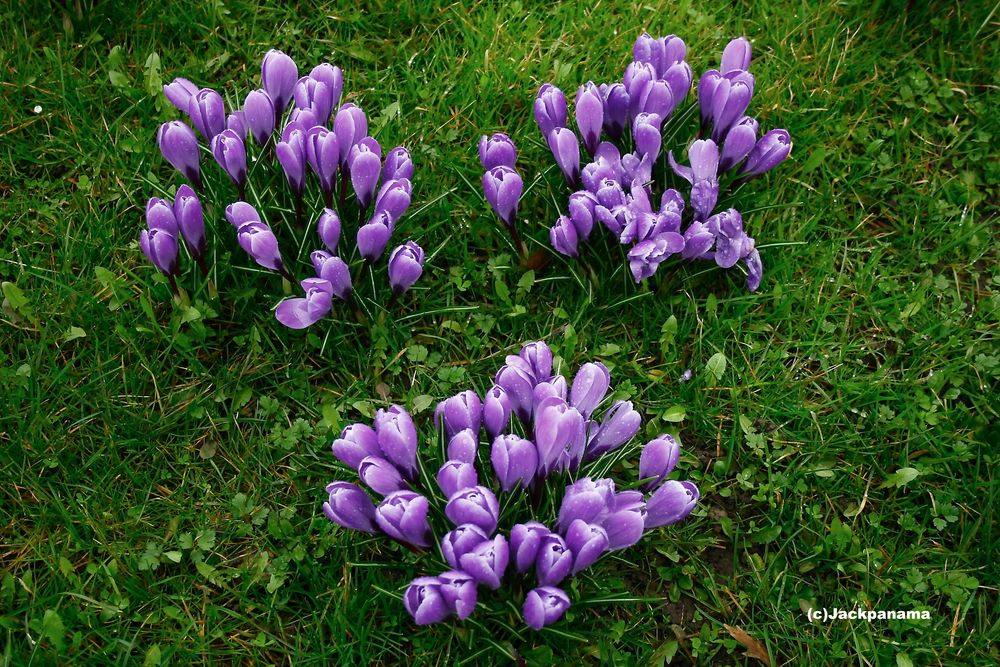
497,151
637,77
455,476
487,562
755,270
525,539
351,125
768,153
306,118
620,423
562,236
328,228
555,387
502,187
398,165
646,134
179,146
190,220
463,446
590,115
323,155
588,542
736,55
625,520
475,505
406,263
258,241
237,122
582,213
586,499
291,153
656,98
461,541
518,383
310,93
397,438
730,100
239,213
550,109
231,155
349,507
179,93
590,385
514,461
373,237
356,442
424,601
459,592
278,74
657,460
565,148
299,313
554,560
739,142
496,411
538,356
207,112
380,475
544,606
365,167
403,516
615,99
160,215
670,503
394,198
559,436
333,78
258,112
335,271
645,257
160,248
461,411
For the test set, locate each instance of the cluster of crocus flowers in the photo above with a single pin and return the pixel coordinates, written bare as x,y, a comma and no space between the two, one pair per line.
553,444
294,126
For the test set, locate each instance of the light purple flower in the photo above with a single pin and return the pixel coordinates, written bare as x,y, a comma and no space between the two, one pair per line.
514,461
258,113
349,507
291,153
697,241
406,263
237,122
380,475
769,152
398,165
351,126
731,242
670,503
335,271
615,99
554,560
403,516
258,241
397,438
476,505
334,80
190,220
160,248
502,187
565,148
179,146
455,476
313,94
637,76
538,356
587,541
544,606
518,383
230,153
394,198
590,385
702,174
645,257
496,411
755,270
323,155
365,165
563,237
460,412
356,442
621,422
559,436
656,98
373,237
736,55
657,460
550,109
207,112
739,142
299,313
582,213
424,601
160,215
497,151
525,539
461,541
278,75
239,213
590,115
328,228
459,592
179,93
463,446
625,520
646,134
487,562
586,499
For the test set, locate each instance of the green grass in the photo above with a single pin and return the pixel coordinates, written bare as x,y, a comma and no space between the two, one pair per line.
162,474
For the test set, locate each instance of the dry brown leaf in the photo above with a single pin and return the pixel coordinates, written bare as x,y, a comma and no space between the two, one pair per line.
755,649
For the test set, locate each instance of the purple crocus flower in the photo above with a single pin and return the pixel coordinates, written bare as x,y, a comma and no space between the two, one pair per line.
582,213
559,436
670,503
543,390
406,263
646,134
769,152
496,411
497,151
590,385
231,155
398,165
544,606
291,153
455,476
610,207
550,109
625,520
702,175
334,80
373,237
590,115
179,146
731,242
586,499
179,93
207,112
518,382
657,460
463,446
502,187
424,601
258,112
459,592
460,412
299,313
588,542
328,228
645,257
656,98
525,539
727,97
190,220
323,155
660,52
476,505
697,241
335,271
397,438
563,237
621,422
678,77
313,94
160,215
461,541
304,118
365,165
554,560
356,442
739,142
258,241
394,198
380,475
403,516
755,270
538,356
349,507
487,562
160,248
514,460
565,148
637,77
237,122
278,74
736,55
615,99
239,213
351,126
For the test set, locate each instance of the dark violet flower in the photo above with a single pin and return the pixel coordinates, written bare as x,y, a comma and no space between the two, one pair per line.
461,541
768,153
335,271
678,77
459,592
755,270
373,237
394,198
179,93
670,503
544,606
299,313
333,78
590,385
660,52
380,475
179,146
730,98
231,155
497,151
554,560
588,542
160,248
328,228
323,155
582,212
610,207
356,442
349,507
736,55
590,115
550,109
351,126
702,174
365,165
496,411
657,460
304,118
587,500
487,562
313,94
190,220
291,153
476,505
278,74
560,436
565,148
645,257
502,187
398,165
397,438
563,237
455,476
621,422
464,445
656,98
525,539
460,412
739,142
207,112
615,99
258,113
258,241
403,516
424,601
514,461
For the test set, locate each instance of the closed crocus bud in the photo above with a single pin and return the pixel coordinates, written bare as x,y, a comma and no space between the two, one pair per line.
729,102
615,100
239,213
463,446
476,505
351,126
356,442
538,356
333,78
349,507
502,187
697,241
291,153
278,74
565,148
625,520
544,606
304,118
460,412
678,78
328,228
656,98
559,436
487,562
554,560
338,274
397,438
365,167
646,134
394,198
310,93
563,237
373,237
237,122
670,503
190,220
231,155
461,541
588,542
380,476
621,422
258,241
398,165
160,248
657,460
299,313
455,476
550,109
258,112
645,257
403,516
179,146
648,49
518,383
582,214
525,539
589,115
497,151
207,112
590,385
406,263
496,411
323,155
736,55
739,142
514,461
637,77
707,84
179,93
586,499
424,601
755,270
459,592
160,215
555,387
767,154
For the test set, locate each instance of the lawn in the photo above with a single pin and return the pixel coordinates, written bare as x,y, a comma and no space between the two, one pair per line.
163,465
